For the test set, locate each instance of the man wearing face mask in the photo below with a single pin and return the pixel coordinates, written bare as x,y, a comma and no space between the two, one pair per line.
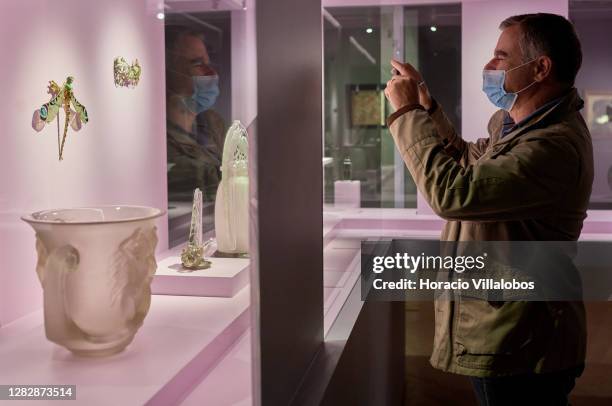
530,179
195,131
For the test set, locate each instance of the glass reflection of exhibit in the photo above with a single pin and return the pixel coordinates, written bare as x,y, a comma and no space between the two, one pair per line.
198,104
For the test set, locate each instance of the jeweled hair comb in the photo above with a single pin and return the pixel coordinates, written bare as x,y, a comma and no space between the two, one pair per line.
126,75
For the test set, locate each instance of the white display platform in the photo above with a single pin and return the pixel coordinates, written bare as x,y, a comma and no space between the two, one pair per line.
347,193
224,278
181,340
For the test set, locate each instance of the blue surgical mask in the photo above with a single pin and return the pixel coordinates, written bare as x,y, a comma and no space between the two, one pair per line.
493,85
205,93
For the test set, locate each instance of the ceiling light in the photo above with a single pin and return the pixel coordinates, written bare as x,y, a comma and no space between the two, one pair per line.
160,16
433,28
369,30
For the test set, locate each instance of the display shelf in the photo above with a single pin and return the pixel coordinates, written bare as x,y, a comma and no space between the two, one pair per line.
347,193
334,279
234,367
182,339
337,260
224,278
329,297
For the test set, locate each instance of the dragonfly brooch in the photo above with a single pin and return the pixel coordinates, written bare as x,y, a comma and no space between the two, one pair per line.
62,97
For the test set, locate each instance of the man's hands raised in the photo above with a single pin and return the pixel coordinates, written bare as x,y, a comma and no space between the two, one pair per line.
407,87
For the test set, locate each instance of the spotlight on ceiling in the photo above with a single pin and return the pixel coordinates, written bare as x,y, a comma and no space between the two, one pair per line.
433,28
369,30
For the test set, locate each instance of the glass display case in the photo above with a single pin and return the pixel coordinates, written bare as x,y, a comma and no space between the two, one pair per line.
138,306
145,290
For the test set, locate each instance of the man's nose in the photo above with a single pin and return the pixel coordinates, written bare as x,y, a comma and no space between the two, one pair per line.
208,71
490,65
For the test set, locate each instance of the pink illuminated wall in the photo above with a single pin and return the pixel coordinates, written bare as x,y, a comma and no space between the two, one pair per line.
118,158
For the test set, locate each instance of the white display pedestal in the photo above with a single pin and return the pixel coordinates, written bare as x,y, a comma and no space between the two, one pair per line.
224,278
347,193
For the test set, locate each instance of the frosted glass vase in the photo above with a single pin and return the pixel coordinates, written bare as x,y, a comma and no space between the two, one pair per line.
232,202
95,266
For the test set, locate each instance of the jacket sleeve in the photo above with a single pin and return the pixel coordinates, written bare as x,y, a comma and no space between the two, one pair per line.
518,184
463,151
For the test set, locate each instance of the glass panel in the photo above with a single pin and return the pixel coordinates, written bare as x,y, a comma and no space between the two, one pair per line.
432,44
363,168
198,105
354,104
365,179
593,22
433,41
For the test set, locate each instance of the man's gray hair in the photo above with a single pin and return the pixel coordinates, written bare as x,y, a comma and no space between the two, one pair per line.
551,35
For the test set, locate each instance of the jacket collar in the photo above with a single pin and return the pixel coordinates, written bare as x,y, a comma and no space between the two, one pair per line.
569,103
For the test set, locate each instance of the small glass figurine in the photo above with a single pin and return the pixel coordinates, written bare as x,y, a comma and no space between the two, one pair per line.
192,256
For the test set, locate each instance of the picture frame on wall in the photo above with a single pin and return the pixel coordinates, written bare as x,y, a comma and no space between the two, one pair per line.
368,106
598,112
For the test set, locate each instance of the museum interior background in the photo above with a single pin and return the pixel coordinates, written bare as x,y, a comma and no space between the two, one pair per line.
284,322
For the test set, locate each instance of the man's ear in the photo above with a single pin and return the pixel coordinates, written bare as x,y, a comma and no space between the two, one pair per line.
543,68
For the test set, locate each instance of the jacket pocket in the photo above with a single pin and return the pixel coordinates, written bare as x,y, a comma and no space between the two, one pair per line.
511,333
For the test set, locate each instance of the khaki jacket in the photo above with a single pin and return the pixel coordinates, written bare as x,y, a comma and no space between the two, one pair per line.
533,184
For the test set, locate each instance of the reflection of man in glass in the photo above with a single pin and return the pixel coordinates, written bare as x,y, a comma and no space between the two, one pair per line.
195,131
